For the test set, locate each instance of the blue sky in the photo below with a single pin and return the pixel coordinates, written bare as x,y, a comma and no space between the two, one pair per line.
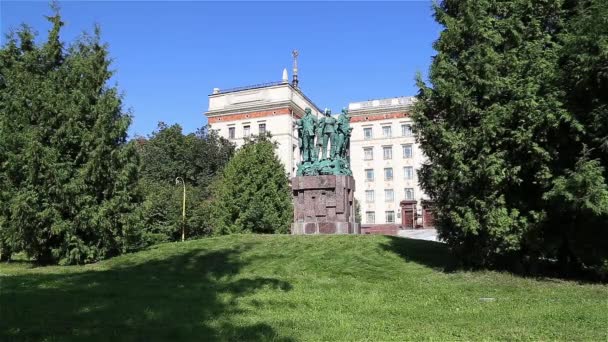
168,56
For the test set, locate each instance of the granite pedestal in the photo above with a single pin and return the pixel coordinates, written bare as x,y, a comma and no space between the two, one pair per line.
324,205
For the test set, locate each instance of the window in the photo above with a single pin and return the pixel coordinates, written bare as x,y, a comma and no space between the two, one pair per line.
407,151
386,131
390,216
231,132
389,195
409,194
388,173
408,172
369,175
368,153
370,217
406,130
367,133
369,196
262,128
246,131
388,152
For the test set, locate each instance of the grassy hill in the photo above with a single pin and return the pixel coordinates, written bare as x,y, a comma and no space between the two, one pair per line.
253,287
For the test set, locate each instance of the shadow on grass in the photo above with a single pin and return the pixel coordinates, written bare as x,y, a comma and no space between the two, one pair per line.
433,254
437,255
191,296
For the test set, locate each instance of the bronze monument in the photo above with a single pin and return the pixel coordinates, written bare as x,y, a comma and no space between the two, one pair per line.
323,188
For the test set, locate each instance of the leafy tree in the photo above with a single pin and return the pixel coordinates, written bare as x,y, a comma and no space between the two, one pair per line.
252,195
166,155
506,151
67,174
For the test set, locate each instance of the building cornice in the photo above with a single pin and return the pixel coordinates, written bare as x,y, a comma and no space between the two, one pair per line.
255,114
254,88
379,115
248,108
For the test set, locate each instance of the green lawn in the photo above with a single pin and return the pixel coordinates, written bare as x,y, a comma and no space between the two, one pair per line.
253,287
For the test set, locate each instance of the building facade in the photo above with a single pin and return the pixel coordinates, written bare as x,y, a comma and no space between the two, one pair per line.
273,107
385,158
384,154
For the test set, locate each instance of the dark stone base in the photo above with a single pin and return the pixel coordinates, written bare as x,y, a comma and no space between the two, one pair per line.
309,228
323,205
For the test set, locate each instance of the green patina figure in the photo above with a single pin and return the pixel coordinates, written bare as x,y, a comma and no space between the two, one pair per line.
319,141
344,132
300,135
329,136
324,144
309,122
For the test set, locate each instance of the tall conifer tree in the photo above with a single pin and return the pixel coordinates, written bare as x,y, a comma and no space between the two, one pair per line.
68,175
485,122
507,160
252,194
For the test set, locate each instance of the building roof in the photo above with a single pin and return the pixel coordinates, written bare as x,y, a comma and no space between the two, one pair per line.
220,92
379,104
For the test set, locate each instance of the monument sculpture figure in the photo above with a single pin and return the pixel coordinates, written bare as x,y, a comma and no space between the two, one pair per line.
323,188
329,136
343,134
319,137
300,135
324,144
309,122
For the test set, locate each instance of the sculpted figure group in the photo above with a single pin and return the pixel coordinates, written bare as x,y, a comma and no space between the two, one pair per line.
324,144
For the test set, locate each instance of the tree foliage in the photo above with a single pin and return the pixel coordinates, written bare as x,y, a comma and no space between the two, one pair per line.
252,195
514,127
167,154
67,174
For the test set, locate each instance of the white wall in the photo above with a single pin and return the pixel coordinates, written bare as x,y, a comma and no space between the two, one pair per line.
398,184
271,99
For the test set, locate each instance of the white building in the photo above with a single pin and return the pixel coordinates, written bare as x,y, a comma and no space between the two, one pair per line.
384,160
273,107
384,153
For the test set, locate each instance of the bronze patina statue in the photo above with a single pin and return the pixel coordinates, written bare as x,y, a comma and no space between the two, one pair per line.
300,134
309,122
343,131
329,136
319,135
329,154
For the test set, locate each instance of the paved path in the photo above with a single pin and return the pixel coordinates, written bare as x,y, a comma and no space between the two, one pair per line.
419,234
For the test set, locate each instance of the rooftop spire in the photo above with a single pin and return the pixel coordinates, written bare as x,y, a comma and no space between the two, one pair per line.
295,55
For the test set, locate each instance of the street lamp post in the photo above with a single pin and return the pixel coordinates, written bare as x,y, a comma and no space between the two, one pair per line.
177,180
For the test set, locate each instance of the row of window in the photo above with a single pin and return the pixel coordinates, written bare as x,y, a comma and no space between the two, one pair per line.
387,152
387,131
246,130
408,173
389,216
389,195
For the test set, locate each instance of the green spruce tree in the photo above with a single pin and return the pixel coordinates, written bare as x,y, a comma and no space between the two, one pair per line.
513,124
577,227
252,195
487,121
68,176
